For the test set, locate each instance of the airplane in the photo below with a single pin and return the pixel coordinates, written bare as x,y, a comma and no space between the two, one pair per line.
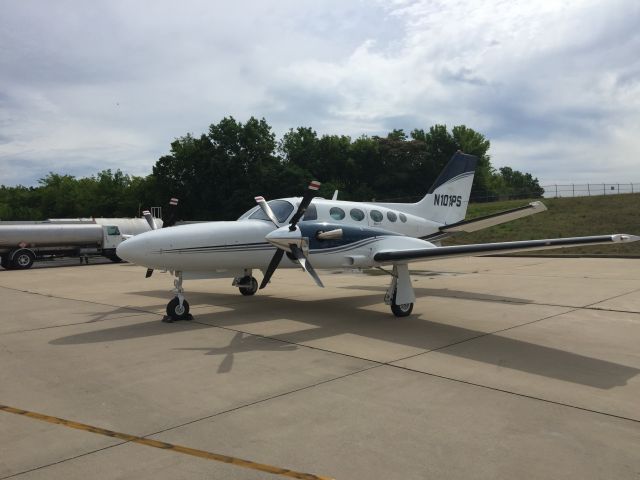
310,232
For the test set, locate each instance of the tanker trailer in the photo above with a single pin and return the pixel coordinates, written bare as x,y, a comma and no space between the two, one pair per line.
21,245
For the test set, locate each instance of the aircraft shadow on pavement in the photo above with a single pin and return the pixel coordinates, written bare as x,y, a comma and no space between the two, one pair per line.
325,318
239,344
422,292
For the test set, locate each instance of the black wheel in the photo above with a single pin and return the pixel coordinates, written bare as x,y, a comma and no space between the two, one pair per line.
22,259
4,262
251,289
403,310
177,312
114,258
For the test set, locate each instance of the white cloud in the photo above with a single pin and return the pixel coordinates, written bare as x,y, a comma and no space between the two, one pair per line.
555,86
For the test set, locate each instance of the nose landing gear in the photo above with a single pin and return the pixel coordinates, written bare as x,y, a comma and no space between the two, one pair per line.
178,307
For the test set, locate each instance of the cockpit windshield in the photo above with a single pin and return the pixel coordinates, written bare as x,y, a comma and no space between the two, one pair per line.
281,209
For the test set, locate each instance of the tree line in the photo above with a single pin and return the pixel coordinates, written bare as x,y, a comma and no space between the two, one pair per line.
217,174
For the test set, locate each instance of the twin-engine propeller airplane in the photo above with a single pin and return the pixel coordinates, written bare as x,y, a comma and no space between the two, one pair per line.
331,234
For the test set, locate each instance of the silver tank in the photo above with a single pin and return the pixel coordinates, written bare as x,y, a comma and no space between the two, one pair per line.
48,235
129,226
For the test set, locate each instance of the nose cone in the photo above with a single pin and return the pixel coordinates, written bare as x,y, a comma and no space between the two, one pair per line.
132,250
283,237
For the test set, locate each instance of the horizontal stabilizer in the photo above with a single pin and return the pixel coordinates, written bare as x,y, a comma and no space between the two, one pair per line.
503,247
480,223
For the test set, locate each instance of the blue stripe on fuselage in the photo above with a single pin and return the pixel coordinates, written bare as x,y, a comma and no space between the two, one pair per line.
350,234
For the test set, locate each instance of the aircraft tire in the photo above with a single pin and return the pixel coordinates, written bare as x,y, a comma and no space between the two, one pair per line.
401,310
251,290
175,312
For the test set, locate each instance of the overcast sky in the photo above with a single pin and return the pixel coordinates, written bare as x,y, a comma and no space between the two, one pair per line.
90,85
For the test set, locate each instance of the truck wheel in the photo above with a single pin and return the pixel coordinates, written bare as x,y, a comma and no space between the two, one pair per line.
22,259
5,263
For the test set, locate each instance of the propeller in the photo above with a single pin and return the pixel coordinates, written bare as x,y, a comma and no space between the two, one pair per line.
289,239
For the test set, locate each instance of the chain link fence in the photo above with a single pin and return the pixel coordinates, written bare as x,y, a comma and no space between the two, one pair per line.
589,189
550,191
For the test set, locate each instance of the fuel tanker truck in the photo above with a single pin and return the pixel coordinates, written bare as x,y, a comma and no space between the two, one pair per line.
21,243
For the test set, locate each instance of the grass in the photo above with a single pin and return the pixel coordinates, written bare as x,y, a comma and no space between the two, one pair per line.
566,217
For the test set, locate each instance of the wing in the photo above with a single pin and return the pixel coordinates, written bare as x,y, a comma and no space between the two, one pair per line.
468,226
479,249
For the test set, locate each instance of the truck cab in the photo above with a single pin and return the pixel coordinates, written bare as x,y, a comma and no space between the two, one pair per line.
111,238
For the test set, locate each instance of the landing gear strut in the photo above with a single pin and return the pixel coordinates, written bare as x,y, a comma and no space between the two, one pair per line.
178,307
400,294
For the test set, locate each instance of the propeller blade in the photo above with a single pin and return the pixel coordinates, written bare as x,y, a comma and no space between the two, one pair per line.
305,264
330,235
171,214
306,200
275,261
149,272
150,220
262,203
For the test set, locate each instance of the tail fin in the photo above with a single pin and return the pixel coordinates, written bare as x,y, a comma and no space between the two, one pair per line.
447,200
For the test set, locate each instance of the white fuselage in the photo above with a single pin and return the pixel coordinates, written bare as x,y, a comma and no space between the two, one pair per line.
226,248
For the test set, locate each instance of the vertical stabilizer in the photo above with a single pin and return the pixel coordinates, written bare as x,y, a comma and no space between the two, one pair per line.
447,200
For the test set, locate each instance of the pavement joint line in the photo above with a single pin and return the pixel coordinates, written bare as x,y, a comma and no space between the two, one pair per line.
264,400
92,302
591,305
128,438
519,274
486,334
71,324
518,394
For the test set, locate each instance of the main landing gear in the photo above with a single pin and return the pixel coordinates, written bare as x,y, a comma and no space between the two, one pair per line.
178,307
247,284
400,296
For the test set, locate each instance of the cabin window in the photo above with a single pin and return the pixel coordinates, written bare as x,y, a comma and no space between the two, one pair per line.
113,230
392,216
281,209
337,213
357,214
376,216
403,218
311,213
